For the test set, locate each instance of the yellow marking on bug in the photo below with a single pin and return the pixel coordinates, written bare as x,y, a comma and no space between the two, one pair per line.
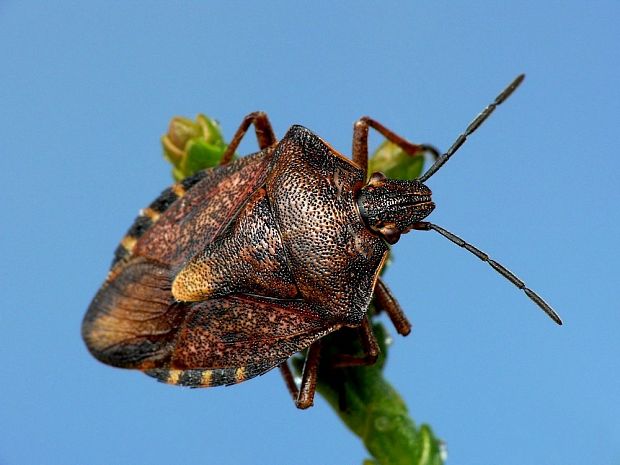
112,274
178,190
150,213
240,374
205,379
194,282
129,243
173,377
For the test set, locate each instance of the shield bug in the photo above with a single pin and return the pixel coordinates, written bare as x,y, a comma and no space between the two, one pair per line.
230,272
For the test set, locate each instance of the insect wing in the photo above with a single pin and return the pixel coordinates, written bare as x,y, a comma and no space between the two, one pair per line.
231,339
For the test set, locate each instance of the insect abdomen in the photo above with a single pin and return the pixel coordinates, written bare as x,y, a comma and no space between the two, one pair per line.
208,377
149,216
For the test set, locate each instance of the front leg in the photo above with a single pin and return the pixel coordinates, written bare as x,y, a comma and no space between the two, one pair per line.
385,301
360,142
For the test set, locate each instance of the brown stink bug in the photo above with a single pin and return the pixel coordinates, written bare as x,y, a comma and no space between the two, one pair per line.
230,272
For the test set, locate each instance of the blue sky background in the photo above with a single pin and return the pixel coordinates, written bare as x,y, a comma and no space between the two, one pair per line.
86,90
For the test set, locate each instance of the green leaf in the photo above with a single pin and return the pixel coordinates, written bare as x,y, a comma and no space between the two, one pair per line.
201,155
395,163
191,146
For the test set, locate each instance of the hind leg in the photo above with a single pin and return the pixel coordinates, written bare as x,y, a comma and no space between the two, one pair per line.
304,395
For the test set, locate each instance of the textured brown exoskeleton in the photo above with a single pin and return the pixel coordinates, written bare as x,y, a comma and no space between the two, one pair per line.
232,271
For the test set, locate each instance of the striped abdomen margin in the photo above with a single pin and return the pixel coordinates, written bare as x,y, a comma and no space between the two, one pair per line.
149,216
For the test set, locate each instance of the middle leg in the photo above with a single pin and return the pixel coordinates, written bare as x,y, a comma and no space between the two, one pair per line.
370,347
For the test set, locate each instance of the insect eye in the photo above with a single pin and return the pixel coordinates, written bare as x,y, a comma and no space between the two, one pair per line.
377,178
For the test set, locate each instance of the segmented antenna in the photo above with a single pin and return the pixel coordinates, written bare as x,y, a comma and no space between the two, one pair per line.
425,226
475,124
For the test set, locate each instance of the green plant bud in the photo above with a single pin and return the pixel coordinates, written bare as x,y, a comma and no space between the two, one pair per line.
191,146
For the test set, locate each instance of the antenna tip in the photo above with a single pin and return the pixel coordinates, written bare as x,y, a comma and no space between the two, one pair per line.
554,316
516,83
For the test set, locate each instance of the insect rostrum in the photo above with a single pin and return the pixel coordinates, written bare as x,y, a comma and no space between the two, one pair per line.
230,272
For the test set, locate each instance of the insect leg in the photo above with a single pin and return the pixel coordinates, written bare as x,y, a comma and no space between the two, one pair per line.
384,300
360,142
263,129
304,396
289,380
369,346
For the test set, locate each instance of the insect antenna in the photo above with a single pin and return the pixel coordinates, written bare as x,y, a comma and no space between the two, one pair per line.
425,226
475,124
